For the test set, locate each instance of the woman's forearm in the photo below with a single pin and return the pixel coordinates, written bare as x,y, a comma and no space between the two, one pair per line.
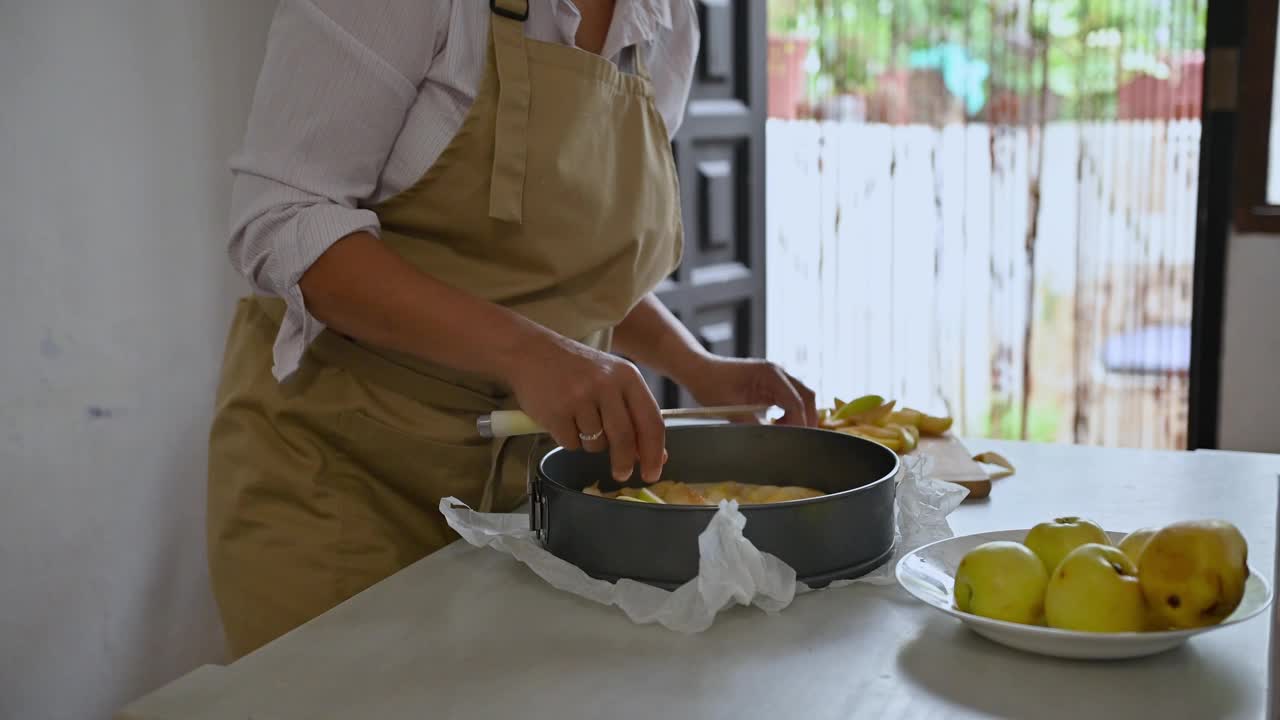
651,336
362,288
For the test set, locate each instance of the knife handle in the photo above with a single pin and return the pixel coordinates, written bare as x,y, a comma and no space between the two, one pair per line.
507,423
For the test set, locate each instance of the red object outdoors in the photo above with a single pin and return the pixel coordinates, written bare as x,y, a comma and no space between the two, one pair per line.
1148,98
786,75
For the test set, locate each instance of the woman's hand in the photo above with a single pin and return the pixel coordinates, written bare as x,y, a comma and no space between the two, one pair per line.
719,380
654,337
593,400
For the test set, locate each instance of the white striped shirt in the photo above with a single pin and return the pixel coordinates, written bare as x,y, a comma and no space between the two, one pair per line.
356,100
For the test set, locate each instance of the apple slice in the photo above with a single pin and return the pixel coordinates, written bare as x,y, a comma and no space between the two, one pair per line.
930,425
906,416
910,436
888,438
849,410
643,494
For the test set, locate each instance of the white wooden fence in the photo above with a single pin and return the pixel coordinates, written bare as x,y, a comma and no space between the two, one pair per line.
898,263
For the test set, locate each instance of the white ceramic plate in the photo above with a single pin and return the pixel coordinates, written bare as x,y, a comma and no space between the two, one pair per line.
929,574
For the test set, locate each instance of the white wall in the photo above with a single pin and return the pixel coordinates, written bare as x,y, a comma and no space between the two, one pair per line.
1250,407
116,121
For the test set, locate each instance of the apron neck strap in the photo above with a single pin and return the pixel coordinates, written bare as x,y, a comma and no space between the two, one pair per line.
517,10
506,188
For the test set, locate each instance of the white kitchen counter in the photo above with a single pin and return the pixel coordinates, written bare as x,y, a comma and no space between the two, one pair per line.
472,633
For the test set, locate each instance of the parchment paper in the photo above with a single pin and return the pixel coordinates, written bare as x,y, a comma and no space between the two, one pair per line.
731,571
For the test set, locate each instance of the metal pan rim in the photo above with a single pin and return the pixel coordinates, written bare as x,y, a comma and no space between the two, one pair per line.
888,477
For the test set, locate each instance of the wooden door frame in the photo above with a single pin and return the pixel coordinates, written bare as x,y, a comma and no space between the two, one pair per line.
1224,35
727,109
1257,77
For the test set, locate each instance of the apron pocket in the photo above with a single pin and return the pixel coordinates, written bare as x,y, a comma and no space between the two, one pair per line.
420,468
392,483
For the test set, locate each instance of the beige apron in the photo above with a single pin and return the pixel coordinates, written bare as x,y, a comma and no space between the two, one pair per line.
557,198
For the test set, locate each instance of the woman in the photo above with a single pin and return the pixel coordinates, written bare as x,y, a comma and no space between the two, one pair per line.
448,207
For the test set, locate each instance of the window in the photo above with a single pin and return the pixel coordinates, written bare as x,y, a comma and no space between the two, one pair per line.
928,243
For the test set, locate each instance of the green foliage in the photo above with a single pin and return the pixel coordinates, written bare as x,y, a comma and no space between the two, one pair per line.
1093,46
1004,421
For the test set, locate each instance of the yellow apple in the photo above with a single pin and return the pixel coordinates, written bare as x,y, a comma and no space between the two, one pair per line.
1095,588
1003,580
1051,541
1135,542
1193,573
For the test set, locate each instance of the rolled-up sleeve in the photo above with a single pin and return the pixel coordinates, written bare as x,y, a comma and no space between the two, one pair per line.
331,98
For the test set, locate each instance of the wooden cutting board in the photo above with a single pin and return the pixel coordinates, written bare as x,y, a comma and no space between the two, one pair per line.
952,462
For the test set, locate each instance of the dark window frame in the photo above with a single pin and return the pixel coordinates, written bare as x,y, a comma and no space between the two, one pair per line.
1219,192
1257,71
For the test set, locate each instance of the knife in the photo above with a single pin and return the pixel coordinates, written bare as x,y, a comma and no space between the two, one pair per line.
509,423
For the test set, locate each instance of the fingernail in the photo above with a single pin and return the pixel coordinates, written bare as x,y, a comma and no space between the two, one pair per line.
621,476
665,457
